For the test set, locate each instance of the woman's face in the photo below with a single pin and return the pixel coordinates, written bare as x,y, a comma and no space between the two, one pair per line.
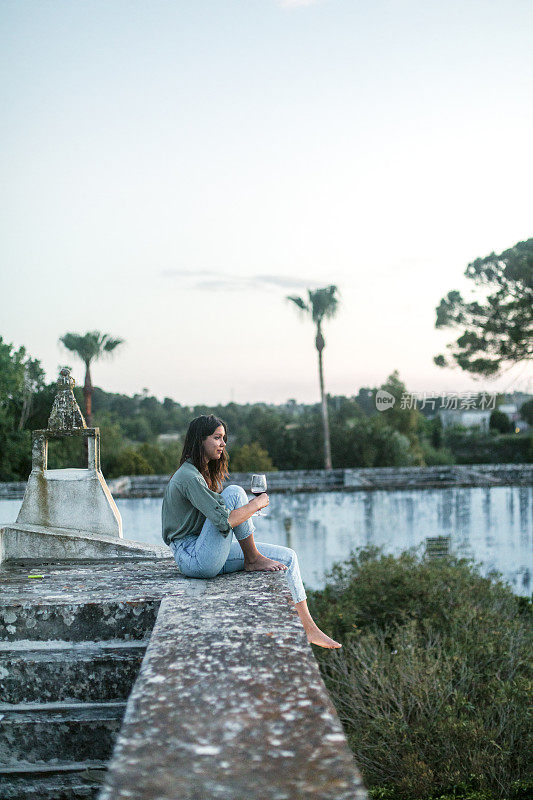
214,445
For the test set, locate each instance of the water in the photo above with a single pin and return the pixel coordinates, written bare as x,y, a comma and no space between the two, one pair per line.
493,525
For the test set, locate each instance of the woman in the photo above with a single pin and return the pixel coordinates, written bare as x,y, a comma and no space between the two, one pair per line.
199,520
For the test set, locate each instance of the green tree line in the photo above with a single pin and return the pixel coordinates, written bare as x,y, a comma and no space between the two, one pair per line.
261,436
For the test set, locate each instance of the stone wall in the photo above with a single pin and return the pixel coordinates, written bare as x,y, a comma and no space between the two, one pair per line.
336,479
352,479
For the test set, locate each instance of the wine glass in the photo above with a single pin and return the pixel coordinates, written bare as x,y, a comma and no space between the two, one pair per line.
258,486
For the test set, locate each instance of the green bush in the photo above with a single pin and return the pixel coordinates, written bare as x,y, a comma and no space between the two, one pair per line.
433,681
111,442
250,458
371,443
526,411
467,790
479,447
164,459
434,456
500,422
130,462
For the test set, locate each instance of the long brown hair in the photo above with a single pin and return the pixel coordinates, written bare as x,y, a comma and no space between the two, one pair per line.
215,471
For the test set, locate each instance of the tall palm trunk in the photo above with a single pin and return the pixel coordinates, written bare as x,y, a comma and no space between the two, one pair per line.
320,344
88,395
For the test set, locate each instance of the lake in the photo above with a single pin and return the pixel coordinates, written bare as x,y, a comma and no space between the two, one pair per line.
492,525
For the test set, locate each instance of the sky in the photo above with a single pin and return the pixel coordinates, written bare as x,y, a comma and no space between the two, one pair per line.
172,170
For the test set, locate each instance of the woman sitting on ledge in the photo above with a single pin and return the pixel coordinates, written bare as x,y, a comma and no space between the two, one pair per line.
198,520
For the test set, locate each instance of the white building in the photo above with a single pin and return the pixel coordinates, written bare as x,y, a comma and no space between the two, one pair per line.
512,411
468,418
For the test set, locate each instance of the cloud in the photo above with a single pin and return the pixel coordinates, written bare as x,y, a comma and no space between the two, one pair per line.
227,285
187,273
208,279
296,3
281,281
216,280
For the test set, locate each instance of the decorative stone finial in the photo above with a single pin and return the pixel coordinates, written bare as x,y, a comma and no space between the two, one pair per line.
65,414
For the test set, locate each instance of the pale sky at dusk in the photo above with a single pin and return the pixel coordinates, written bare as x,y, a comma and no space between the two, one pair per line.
171,170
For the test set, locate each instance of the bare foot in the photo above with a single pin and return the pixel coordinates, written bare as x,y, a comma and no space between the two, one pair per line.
316,636
263,564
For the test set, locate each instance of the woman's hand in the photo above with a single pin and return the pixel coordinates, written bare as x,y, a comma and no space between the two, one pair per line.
260,501
241,514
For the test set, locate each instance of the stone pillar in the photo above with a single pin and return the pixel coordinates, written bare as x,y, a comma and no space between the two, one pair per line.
94,450
68,499
39,451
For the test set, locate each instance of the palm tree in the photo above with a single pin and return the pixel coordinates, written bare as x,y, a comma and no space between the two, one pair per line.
89,348
322,304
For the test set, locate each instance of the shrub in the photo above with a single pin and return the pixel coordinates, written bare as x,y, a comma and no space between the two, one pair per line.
250,458
500,422
479,447
163,459
526,411
436,456
111,441
433,680
130,462
370,443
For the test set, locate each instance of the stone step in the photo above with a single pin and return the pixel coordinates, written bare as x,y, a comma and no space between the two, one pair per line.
68,781
74,622
45,733
68,671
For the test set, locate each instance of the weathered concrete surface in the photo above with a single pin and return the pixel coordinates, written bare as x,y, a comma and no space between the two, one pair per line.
75,731
28,543
70,785
338,479
117,581
77,622
72,499
351,480
52,671
228,701
72,643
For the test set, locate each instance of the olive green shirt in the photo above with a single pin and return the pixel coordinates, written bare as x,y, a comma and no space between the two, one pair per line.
188,502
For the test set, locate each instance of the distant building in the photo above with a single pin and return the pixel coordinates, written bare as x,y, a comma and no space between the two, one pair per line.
510,409
468,418
517,399
512,412
167,438
480,418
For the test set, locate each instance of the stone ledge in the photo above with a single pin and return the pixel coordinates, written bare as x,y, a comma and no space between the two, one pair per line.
28,543
352,480
73,583
356,479
229,703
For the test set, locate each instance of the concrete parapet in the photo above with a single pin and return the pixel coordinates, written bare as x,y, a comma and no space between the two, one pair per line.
337,480
357,479
228,702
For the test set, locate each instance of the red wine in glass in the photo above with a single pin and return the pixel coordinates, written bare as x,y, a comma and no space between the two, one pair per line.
259,486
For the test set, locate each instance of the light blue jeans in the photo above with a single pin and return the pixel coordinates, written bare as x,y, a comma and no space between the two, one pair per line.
210,553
